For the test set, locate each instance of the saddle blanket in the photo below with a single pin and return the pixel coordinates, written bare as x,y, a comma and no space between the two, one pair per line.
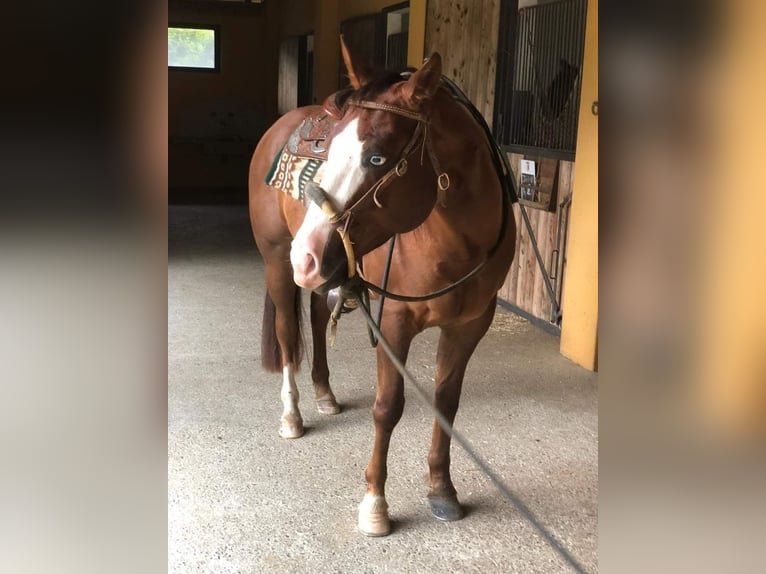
290,173
303,157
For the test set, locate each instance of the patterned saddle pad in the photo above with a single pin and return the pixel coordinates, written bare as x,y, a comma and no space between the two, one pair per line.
303,157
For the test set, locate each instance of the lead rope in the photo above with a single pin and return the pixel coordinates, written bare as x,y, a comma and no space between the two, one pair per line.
351,260
463,442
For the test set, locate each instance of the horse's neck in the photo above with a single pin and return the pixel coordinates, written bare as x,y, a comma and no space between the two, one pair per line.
470,220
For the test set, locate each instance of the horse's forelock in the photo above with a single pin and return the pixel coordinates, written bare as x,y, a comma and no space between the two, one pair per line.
377,85
337,104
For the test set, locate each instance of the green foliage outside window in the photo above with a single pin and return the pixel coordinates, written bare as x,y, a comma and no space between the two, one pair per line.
191,48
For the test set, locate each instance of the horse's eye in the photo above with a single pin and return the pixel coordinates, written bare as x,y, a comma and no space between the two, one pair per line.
377,160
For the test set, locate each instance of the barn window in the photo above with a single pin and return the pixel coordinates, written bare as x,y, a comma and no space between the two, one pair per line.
538,77
397,29
193,47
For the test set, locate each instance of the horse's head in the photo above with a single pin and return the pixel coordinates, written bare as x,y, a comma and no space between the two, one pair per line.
377,181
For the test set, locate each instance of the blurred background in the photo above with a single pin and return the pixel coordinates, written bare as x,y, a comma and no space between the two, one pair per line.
83,226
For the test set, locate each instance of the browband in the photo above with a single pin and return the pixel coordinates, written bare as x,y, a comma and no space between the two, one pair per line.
389,108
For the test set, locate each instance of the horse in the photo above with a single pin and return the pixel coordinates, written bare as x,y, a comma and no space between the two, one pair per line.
402,158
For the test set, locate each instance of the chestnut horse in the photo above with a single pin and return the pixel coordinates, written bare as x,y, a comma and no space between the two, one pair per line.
404,159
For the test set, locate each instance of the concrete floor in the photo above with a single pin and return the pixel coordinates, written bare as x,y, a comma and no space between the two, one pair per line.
240,499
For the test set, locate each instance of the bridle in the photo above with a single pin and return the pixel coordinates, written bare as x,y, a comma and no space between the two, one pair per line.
355,281
320,197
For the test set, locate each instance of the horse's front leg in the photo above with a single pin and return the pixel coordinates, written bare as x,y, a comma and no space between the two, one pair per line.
389,404
320,372
456,345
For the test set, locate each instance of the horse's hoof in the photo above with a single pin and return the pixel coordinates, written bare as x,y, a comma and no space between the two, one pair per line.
373,516
291,427
446,509
327,405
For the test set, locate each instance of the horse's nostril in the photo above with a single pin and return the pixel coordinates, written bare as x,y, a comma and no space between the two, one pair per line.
310,264
304,263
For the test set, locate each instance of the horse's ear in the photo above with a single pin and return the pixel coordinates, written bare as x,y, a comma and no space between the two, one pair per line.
422,85
358,70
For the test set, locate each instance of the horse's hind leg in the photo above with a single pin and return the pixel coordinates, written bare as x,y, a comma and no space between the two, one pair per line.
320,372
286,298
456,345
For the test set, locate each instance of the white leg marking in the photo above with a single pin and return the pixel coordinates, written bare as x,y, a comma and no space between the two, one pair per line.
373,516
292,423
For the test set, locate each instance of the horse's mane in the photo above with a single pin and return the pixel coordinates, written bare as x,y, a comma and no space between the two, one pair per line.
379,83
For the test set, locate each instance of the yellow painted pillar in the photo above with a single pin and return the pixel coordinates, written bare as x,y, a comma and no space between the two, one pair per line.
326,48
579,328
730,360
416,39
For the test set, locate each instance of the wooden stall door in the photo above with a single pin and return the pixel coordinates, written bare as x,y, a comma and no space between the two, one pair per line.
363,36
287,83
296,73
466,35
524,286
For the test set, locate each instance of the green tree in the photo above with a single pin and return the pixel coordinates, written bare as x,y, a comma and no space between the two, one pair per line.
191,47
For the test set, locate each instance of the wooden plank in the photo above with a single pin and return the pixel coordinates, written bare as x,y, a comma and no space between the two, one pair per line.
287,83
456,39
512,279
492,36
551,245
538,288
530,263
523,273
360,36
548,240
566,181
513,275
521,280
486,58
471,39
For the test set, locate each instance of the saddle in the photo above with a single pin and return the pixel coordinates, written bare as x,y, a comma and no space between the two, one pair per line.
303,157
310,139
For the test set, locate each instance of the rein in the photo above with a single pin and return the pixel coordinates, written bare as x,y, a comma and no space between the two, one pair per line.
319,196
458,437
355,281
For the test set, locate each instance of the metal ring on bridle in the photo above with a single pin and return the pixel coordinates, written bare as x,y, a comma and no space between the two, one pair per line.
401,167
443,181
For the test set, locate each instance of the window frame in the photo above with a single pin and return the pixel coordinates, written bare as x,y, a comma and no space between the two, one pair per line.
216,47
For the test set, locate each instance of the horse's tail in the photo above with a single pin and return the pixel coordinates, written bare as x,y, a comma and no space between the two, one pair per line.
271,354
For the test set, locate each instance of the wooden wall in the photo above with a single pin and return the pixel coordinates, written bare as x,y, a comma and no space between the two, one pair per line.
465,33
524,286
287,87
215,119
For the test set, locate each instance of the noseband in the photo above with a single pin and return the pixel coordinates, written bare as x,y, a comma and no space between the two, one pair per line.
320,197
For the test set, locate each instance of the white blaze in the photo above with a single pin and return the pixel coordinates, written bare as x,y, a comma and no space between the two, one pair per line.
343,172
342,177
